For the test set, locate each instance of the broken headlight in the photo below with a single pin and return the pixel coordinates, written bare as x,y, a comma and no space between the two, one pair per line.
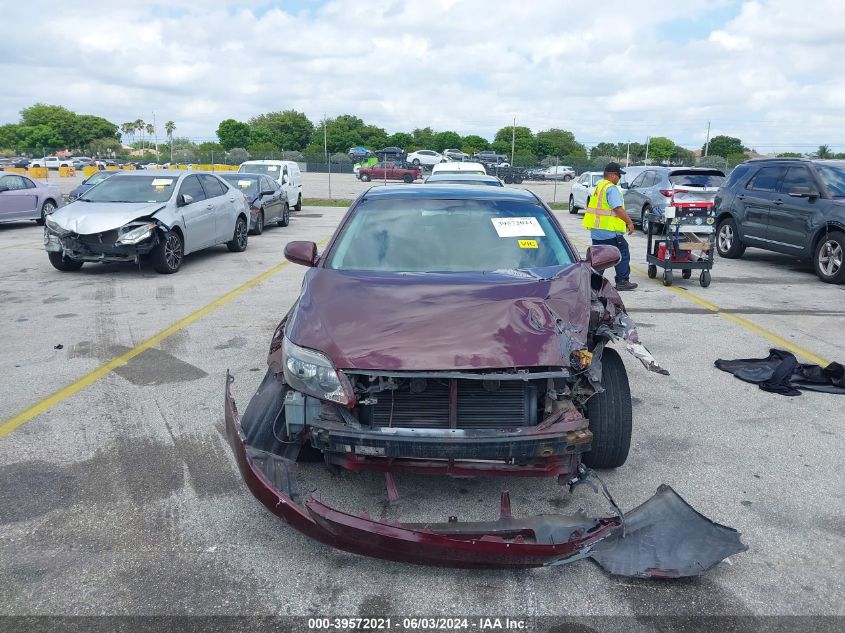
55,228
132,234
314,374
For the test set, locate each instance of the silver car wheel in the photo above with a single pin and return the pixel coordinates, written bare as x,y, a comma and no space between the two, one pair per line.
726,237
173,251
830,257
240,233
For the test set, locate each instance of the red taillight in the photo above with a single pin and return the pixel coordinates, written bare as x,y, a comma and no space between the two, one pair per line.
666,192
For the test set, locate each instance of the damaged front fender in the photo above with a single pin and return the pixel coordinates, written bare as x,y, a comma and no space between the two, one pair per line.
664,537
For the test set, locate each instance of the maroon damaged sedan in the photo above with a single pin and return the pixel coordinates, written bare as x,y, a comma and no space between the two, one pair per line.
454,330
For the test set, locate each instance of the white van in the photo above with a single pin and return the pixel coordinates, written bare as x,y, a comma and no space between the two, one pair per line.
284,172
459,168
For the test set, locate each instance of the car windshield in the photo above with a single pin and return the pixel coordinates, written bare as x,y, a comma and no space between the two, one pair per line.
267,170
98,177
596,178
125,188
697,180
448,236
834,180
246,184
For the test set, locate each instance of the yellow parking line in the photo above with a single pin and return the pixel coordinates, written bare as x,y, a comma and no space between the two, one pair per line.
63,394
748,325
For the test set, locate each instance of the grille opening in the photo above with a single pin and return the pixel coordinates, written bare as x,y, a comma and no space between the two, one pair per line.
512,403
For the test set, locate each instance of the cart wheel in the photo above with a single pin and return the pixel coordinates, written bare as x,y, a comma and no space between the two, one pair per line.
667,277
652,271
687,273
704,280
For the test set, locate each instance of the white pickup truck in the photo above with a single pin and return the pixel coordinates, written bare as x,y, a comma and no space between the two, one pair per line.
51,162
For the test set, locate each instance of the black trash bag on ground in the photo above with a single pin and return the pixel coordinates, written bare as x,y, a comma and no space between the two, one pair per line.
781,373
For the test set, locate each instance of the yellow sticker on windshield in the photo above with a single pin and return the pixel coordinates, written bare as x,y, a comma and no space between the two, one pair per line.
527,243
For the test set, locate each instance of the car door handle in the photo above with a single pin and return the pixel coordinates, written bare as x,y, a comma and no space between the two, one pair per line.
740,197
209,206
778,202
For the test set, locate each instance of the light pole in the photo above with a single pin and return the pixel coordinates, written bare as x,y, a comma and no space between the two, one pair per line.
513,139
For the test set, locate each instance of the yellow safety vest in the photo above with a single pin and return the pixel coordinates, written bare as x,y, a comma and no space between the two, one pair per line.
600,214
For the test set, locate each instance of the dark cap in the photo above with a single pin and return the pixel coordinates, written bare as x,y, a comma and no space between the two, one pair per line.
614,168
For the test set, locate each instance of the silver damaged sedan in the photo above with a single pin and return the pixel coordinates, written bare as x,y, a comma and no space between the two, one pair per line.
160,215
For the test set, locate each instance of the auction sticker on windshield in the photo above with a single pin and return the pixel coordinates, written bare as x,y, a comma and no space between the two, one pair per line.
527,243
162,182
517,227
244,183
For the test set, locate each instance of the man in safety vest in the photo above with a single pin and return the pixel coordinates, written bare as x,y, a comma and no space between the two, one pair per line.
608,222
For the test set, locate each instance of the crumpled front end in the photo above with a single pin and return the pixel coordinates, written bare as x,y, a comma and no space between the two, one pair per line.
662,538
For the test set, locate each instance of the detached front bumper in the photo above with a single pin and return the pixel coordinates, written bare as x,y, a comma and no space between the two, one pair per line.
102,248
664,537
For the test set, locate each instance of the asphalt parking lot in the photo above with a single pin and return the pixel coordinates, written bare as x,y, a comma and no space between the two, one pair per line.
120,495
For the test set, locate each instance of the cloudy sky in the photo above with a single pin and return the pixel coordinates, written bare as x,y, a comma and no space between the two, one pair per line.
768,71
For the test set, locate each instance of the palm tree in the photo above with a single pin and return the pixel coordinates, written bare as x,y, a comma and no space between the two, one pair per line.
139,125
151,130
128,129
170,127
824,152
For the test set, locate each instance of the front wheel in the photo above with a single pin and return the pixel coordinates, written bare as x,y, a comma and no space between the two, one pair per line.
298,206
827,259
407,179
573,209
667,278
416,162
60,262
727,240
704,279
609,413
168,254
46,209
285,219
365,177
644,223
567,178
652,271
240,238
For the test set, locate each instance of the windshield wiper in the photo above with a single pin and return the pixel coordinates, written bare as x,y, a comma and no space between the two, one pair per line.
84,199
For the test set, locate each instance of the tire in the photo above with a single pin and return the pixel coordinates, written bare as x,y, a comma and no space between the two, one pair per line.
704,279
686,273
407,179
60,262
728,244
416,162
298,206
240,238
517,180
285,219
827,258
46,209
567,178
168,254
610,415
365,177
259,224
652,271
643,220
573,209
667,278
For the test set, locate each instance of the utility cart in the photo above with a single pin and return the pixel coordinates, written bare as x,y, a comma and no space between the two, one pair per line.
684,236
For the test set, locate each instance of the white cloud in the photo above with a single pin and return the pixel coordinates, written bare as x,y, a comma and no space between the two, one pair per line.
767,72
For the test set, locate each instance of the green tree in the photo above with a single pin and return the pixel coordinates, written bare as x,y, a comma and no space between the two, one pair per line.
724,146
288,129
40,138
262,150
446,140
660,149
523,137
233,133
823,152
87,127
616,150
423,138
683,156
105,147
557,142
342,132
9,135
373,137
790,155
400,139
473,143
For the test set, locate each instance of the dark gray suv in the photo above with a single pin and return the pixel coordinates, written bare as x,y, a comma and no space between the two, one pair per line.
794,206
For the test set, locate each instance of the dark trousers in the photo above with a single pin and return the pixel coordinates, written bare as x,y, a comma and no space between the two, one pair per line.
623,268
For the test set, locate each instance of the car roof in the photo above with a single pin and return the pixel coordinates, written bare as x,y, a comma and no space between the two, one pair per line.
450,192
463,176
234,175
267,162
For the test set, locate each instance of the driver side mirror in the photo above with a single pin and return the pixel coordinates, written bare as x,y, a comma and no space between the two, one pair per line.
3,188
803,192
184,200
268,192
303,253
624,185
603,256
